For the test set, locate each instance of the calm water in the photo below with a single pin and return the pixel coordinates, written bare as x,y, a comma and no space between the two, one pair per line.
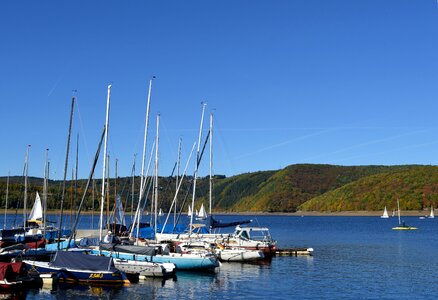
354,258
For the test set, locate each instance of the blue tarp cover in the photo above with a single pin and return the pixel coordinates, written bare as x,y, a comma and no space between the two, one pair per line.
81,261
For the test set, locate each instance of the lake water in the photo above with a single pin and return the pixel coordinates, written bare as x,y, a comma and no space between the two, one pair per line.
354,258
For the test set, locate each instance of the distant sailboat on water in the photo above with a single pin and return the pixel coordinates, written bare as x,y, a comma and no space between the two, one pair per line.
189,213
202,215
432,215
385,214
402,225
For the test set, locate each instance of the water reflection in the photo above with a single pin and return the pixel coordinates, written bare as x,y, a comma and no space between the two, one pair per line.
15,295
69,291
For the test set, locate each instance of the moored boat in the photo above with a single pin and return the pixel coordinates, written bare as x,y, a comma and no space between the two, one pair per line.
13,275
238,254
250,238
144,268
182,261
78,267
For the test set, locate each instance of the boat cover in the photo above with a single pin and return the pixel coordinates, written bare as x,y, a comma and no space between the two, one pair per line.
11,271
143,250
87,242
219,224
81,261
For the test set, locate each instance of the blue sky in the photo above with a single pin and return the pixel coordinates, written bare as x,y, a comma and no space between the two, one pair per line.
315,81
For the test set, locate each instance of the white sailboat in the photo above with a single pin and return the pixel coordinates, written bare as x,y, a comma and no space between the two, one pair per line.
385,214
402,225
432,215
202,214
160,214
36,214
189,213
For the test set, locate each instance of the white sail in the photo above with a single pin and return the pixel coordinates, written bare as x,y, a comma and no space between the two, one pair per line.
189,213
202,215
37,210
161,213
385,214
432,215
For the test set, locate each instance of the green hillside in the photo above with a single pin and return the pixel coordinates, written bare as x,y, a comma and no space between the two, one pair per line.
416,187
307,187
288,188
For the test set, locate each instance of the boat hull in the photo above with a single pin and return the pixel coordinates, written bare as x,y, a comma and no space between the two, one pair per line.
404,228
187,262
239,255
78,276
143,268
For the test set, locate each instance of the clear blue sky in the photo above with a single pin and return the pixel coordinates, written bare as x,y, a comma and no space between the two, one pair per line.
316,81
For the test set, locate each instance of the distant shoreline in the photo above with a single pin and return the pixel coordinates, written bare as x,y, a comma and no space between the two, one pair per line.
362,213
415,213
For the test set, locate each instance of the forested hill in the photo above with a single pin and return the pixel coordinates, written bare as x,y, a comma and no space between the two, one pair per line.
308,187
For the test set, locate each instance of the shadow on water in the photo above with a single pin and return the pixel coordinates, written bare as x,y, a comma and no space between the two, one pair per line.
74,291
15,295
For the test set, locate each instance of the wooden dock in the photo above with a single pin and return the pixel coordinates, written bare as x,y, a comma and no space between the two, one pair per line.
294,252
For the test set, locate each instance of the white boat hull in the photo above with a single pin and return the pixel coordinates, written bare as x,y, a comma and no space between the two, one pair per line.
239,255
144,268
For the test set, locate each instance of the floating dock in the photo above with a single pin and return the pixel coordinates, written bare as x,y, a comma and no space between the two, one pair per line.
294,252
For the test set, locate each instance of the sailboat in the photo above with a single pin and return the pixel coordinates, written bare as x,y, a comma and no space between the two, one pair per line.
160,214
385,214
402,225
117,221
202,214
432,215
36,214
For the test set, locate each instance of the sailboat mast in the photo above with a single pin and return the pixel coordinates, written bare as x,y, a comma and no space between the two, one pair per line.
398,207
108,187
146,126
196,167
211,160
115,195
26,164
92,203
102,199
46,174
76,172
145,138
178,188
6,200
133,187
96,157
178,162
65,172
156,171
